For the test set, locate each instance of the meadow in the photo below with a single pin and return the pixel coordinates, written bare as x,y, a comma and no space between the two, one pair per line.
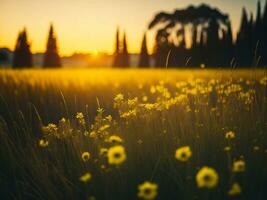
133,134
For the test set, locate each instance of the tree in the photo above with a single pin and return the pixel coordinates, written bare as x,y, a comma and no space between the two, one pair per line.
161,48
51,57
144,57
229,45
117,53
171,35
4,55
22,54
243,41
212,43
258,23
124,54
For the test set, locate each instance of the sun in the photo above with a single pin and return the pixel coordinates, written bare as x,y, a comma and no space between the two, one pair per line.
95,53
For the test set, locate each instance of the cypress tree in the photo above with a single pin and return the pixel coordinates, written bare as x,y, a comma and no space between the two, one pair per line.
213,42
243,49
117,53
22,54
144,57
124,54
51,57
258,23
229,44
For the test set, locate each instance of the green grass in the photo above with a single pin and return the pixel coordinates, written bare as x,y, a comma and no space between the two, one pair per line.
183,108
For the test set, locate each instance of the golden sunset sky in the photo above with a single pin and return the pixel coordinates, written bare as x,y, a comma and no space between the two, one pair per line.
90,25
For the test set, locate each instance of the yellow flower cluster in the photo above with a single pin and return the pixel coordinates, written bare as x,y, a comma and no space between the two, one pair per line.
80,118
50,129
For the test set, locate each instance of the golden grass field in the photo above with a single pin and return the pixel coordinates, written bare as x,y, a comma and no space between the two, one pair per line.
133,134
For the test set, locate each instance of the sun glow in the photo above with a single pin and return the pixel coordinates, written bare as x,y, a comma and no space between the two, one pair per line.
95,53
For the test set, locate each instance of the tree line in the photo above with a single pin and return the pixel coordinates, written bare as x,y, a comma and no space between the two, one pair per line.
197,36
211,38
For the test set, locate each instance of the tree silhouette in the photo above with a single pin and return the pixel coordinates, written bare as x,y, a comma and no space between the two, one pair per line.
124,54
202,21
161,48
212,42
3,56
51,57
243,42
117,53
144,57
22,54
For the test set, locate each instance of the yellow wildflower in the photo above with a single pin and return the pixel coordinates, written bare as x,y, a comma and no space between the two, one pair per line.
256,148
202,66
230,135
103,151
149,106
234,190
86,177
152,89
119,97
130,113
86,156
116,155
263,81
80,118
104,127
144,98
109,118
147,190
50,129
183,153
115,139
93,134
43,143
227,148
63,120
239,166
207,178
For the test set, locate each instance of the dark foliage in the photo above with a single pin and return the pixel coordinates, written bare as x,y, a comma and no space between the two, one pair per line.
125,62
121,55
51,57
22,54
144,57
117,54
4,57
212,42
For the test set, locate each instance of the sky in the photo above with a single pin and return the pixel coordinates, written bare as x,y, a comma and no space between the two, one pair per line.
89,25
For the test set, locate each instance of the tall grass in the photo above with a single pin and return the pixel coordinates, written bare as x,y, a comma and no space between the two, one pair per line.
157,113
